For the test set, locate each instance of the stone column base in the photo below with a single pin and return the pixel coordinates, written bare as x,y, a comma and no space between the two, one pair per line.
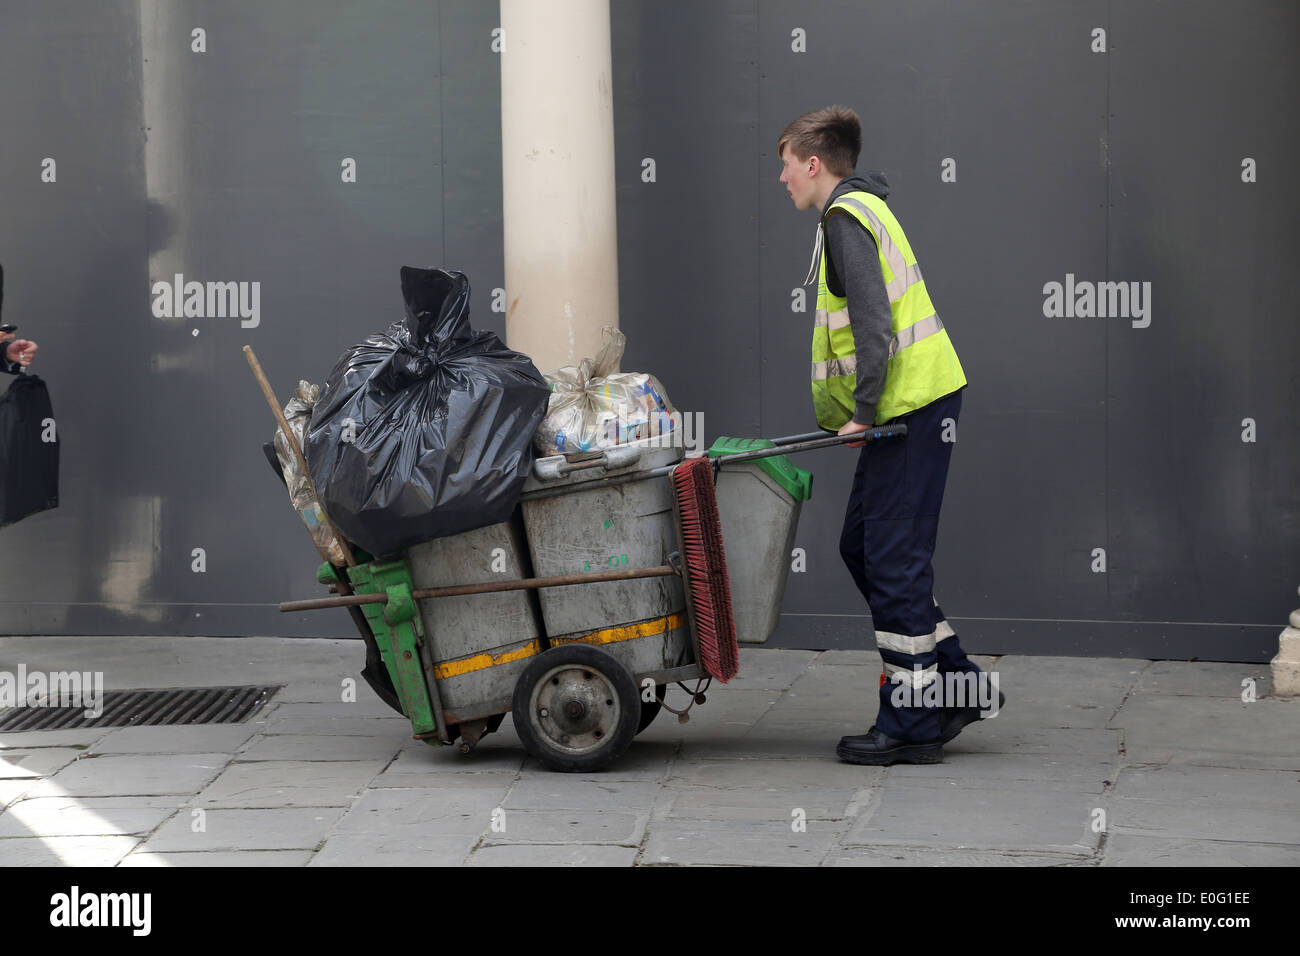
1286,666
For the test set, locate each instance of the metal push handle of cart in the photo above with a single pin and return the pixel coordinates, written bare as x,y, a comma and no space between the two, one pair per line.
788,445
793,444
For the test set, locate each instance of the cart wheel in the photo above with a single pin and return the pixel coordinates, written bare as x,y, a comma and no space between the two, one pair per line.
576,708
650,710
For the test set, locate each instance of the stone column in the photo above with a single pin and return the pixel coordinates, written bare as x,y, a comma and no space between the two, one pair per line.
557,143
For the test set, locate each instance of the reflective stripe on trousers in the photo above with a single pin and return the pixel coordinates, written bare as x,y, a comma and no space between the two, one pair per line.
887,543
917,677
903,644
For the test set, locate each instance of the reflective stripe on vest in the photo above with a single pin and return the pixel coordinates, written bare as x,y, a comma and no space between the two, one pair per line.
908,336
835,367
905,276
914,333
923,365
838,319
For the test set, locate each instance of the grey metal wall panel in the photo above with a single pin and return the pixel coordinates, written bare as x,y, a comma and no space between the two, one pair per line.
238,179
284,99
1205,527
471,154
1076,433
684,96
73,256
1010,92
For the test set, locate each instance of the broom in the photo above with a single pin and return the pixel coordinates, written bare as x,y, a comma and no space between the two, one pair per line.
704,568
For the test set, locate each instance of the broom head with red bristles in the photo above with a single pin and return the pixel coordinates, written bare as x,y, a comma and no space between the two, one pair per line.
704,564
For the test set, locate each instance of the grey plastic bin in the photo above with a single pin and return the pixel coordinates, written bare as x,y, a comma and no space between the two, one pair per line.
466,628
758,504
643,622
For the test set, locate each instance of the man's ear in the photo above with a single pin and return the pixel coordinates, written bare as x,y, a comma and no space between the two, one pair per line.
814,164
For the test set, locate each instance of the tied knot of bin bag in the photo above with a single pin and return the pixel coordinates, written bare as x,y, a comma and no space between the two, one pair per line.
437,323
408,367
424,430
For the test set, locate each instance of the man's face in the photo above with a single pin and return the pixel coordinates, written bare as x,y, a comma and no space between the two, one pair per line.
797,176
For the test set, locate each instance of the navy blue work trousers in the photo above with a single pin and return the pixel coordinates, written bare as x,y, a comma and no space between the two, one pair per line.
887,542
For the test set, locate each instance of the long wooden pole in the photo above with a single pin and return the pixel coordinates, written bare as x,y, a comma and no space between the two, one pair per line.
258,374
519,584
344,586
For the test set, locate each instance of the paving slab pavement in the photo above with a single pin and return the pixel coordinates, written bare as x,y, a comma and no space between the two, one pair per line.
289,783
219,858
1093,762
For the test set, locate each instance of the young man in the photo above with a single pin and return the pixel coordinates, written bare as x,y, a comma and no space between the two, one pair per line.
881,355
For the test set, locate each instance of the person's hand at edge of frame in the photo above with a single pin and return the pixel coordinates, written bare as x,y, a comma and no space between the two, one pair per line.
19,351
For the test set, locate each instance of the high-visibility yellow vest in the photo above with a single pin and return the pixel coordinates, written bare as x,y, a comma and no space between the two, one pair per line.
923,365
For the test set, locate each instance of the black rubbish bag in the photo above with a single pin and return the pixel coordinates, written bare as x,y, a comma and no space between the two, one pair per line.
424,430
29,450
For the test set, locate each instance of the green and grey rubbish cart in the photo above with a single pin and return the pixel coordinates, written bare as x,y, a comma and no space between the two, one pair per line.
608,584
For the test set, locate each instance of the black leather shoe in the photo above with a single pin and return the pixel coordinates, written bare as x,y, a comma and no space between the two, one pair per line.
876,749
952,720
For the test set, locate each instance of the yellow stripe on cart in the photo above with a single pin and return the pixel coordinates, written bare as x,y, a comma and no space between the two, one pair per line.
610,635
478,662
628,632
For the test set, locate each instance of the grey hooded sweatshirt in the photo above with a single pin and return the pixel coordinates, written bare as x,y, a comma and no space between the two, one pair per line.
853,271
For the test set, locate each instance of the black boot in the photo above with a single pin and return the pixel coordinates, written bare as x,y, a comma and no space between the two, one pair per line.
952,720
876,749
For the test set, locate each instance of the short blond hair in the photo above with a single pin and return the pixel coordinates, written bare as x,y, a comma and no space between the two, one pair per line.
833,134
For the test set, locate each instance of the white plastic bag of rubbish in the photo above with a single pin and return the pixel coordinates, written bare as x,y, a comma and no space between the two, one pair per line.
593,406
298,414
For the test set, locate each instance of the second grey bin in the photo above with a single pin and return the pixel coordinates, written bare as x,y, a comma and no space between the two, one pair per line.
758,504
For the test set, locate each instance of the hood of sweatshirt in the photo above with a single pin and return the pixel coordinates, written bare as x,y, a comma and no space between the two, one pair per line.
873,182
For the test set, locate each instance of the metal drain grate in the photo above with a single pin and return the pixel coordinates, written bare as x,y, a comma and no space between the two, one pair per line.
146,708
